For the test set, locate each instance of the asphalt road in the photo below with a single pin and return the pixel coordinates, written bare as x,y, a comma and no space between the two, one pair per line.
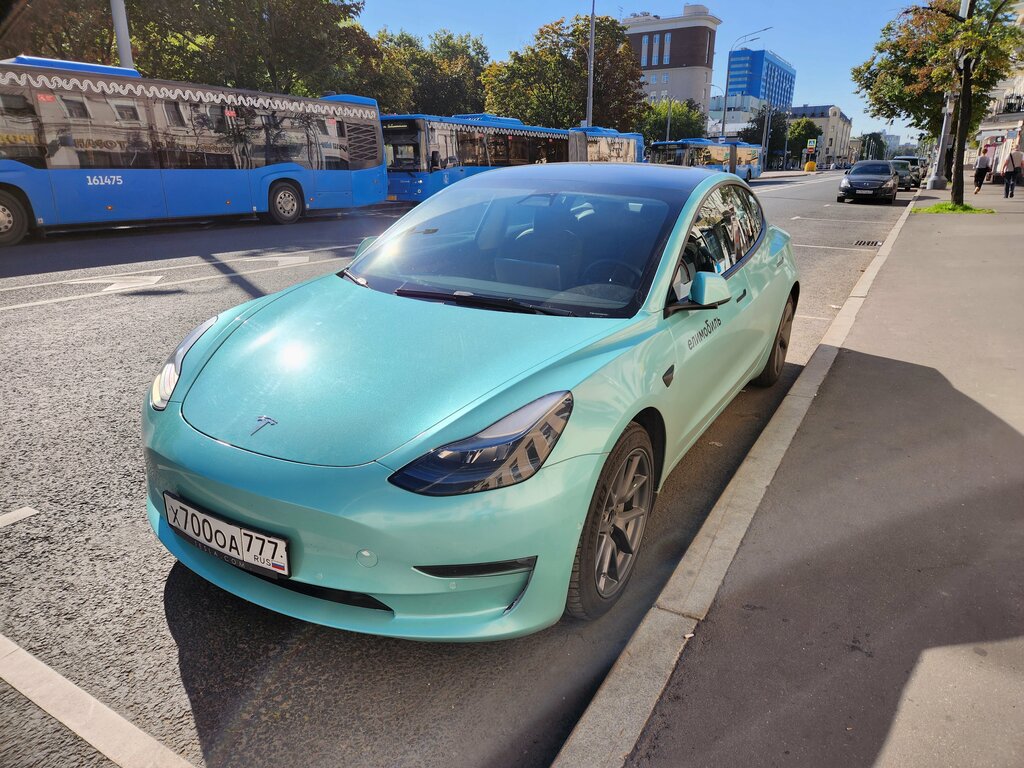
87,589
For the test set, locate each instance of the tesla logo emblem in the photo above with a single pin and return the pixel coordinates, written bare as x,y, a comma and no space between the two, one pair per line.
262,422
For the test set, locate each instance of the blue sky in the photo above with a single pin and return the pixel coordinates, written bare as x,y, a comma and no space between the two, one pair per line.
823,40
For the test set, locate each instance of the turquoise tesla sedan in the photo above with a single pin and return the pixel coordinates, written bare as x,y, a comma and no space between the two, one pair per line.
462,434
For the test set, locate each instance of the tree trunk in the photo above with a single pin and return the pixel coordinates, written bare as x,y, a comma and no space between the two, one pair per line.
954,127
957,191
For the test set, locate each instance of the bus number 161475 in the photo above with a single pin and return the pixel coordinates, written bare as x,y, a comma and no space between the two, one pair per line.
103,181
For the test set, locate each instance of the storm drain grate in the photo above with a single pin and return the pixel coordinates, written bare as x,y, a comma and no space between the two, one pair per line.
871,243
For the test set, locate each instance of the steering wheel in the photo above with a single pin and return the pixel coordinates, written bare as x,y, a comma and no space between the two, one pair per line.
610,271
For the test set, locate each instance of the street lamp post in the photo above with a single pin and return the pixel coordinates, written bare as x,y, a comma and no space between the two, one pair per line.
590,67
747,38
124,42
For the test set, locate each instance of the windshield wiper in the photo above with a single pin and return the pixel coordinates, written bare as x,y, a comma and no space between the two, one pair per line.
357,280
465,299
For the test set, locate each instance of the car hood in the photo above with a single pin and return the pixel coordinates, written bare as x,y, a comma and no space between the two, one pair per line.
341,375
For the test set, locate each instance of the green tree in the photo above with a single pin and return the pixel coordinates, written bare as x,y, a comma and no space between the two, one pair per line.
873,146
60,29
445,74
800,131
929,50
754,132
687,122
546,82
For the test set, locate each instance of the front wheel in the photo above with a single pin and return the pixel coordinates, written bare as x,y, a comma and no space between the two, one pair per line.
777,359
614,527
285,203
13,219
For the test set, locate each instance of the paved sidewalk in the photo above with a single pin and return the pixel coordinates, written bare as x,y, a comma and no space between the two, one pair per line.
874,613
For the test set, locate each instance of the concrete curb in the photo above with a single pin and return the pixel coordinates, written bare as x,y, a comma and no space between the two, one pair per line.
611,725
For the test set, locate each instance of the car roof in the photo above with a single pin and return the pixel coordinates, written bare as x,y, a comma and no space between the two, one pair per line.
678,182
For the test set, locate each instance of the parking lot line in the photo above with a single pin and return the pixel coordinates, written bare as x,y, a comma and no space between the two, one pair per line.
86,717
252,255
834,247
16,515
61,299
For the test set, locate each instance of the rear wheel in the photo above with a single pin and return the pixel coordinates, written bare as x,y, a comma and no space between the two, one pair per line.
777,359
13,219
285,203
614,527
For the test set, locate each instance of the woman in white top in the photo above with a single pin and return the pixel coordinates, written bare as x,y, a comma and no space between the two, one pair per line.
1011,169
981,168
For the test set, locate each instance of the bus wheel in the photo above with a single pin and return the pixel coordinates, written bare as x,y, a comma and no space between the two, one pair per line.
285,203
13,219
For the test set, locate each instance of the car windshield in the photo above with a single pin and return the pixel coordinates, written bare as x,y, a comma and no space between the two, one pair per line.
872,169
901,165
538,244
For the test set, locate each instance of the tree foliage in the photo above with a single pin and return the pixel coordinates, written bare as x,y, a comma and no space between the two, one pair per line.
445,74
800,130
79,29
754,132
546,82
916,61
688,122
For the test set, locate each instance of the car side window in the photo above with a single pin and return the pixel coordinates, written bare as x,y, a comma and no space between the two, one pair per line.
707,248
751,218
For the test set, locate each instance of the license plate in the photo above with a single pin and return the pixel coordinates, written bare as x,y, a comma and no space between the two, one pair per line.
242,547
865,191
392,198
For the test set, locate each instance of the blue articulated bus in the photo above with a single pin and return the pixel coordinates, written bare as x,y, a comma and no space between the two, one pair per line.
85,144
426,153
713,155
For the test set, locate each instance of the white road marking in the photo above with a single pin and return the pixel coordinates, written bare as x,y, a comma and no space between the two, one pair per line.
86,717
282,260
779,187
193,265
61,299
834,248
120,283
842,221
16,515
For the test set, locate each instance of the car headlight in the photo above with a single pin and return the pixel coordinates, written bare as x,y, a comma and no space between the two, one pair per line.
845,183
889,184
505,453
167,379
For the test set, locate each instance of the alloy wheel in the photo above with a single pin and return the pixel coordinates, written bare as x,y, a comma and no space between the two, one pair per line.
624,514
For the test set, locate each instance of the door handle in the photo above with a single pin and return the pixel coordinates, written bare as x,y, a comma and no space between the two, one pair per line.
781,261
742,296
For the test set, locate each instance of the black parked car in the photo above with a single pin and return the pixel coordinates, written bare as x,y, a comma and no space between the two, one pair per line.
869,180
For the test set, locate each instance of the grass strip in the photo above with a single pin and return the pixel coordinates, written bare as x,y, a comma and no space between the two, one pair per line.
952,208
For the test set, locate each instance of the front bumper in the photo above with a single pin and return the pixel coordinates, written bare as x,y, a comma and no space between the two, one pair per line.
329,515
854,193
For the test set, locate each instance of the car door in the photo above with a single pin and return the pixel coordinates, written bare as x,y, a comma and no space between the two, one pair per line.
706,341
760,261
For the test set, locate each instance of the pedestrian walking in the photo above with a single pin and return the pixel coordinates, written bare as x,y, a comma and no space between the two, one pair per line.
1011,170
981,168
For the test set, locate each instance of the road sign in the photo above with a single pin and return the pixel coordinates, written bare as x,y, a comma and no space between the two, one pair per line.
811,144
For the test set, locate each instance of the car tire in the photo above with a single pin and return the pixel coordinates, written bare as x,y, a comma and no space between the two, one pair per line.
892,200
612,535
285,203
840,199
777,359
13,219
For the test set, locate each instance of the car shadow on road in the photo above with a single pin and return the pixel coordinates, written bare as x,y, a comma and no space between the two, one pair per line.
269,690
891,533
208,240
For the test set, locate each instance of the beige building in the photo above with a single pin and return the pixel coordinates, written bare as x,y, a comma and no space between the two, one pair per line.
1003,126
834,142
676,53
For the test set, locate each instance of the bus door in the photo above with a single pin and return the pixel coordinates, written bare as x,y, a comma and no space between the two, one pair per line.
103,165
331,163
207,151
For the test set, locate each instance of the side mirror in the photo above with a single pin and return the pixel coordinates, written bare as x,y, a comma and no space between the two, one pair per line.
367,242
707,291
435,160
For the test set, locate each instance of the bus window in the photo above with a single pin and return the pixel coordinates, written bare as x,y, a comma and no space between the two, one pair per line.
88,130
497,149
518,150
402,143
472,151
19,129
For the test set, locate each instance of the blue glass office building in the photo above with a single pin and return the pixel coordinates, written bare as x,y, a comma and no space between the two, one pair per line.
762,74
